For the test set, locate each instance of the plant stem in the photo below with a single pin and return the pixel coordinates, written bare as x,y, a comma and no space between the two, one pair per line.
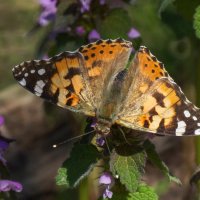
83,190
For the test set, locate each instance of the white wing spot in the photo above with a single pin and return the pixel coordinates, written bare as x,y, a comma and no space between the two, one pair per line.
198,124
41,71
181,128
40,83
38,94
187,113
23,82
32,71
26,74
38,89
180,131
181,124
194,118
197,132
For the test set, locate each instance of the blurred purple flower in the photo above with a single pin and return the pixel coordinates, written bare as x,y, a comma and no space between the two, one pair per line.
107,194
80,30
3,146
7,185
85,5
133,33
1,120
102,2
47,3
3,143
45,57
100,141
48,13
94,35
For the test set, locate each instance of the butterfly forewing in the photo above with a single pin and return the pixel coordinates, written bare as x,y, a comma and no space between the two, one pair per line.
76,80
103,60
60,80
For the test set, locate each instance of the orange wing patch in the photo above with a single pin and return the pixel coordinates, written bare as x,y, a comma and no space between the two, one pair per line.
150,66
102,51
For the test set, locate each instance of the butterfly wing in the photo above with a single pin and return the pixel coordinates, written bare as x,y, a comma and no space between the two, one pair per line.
155,103
75,80
60,80
103,60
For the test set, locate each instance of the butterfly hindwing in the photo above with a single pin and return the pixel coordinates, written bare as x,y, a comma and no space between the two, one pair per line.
158,105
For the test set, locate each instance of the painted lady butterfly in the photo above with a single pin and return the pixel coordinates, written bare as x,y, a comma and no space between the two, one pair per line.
98,80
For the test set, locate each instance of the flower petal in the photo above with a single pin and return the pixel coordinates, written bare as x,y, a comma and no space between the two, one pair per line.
105,178
80,30
7,185
93,35
4,185
133,33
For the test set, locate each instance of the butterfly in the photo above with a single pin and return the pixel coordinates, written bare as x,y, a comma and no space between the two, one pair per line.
100,80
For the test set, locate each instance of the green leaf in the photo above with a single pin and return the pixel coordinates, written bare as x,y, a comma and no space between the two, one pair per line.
155,159
164,5
196,23
129,168
143,192
61,178
116,24
81,162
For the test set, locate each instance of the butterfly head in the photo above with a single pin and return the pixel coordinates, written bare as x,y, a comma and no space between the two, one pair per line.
103,127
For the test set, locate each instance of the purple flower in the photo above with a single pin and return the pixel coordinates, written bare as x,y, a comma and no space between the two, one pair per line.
48,13
47,3
7,185
80,30
93,35
1,120
102,2
3,146
85,5
107,194
100,141
45,56
105,178
133,33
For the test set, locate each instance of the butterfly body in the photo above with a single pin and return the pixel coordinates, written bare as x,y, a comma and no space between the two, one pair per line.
99,80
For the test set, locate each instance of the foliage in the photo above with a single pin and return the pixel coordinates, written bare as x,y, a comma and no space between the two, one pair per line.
143,192
81,162
197,22
129,168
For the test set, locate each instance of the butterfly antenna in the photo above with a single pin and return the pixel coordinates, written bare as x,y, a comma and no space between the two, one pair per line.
71,139
107,146
124,135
